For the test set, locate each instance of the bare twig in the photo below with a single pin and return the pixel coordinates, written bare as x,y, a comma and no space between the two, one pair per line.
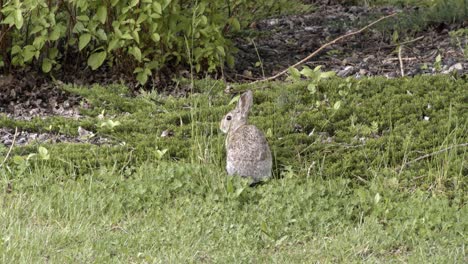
11,147
324,46
401,62
406,164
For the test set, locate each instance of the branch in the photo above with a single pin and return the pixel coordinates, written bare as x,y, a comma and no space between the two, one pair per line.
11,147
324,46
430,155
401,62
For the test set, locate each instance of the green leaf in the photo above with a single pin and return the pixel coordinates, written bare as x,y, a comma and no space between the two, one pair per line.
377,198
53,52
136,36
155,37
328,74
221,50
307,72
15,50
28,52
97,59
43,153
127,36
235,24
136,52
18,19
337,105
101,34
142,18
113,44
101,14
46,65
295,74
157,8
55,34
142,78
82,18
312,87
84,40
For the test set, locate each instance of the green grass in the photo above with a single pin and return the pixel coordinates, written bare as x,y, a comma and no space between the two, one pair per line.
342,191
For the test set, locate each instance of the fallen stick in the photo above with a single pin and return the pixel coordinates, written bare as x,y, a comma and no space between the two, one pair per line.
11,147
401,62
323,47
406,164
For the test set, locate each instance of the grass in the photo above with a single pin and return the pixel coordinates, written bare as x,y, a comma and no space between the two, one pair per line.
342,191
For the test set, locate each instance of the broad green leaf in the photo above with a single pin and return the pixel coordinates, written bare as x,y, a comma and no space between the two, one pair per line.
136,52
235,24
55,34
377,198
113,44
312,87
157,7
294,73
307,72
221,50
134,3
9,20
155,37
36,29
101,34
101,14
327,74
142,77
84,40
18,19
337,105
53,52
136,36
97,59
82,18
43,153
46,65
142,18
15,50
204,20
126,36
28,53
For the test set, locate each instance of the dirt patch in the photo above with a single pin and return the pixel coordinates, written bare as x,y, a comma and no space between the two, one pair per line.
27,95
22,138
281,42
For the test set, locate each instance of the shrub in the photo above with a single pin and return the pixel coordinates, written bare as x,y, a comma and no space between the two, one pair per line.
139,36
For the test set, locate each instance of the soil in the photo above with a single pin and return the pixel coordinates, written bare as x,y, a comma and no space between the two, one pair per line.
277,42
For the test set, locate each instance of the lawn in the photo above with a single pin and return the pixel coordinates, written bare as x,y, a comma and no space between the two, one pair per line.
370,170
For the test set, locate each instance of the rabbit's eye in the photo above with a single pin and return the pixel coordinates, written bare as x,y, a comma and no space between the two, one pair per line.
228,117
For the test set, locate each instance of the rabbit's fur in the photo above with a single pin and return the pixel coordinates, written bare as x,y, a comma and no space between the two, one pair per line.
248,153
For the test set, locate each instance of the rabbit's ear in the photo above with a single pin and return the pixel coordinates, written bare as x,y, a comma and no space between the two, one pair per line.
245,103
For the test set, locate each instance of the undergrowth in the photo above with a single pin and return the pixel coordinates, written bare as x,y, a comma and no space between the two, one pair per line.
365,170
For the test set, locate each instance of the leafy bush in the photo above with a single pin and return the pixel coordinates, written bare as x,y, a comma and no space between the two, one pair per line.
139,36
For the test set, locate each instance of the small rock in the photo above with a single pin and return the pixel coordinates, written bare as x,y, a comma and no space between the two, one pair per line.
456,67
346,71
167,133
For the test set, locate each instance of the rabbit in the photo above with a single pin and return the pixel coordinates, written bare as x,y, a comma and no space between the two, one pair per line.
248,153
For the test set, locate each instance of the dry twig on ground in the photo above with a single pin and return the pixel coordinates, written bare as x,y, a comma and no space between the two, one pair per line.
324,46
